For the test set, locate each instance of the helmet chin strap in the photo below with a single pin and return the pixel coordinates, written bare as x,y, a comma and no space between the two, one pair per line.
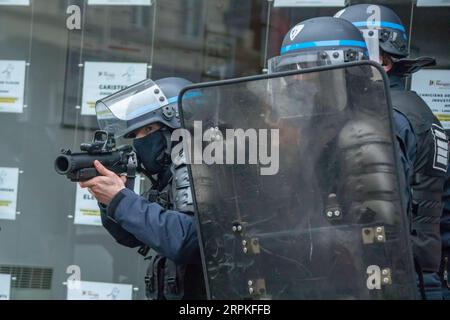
167,136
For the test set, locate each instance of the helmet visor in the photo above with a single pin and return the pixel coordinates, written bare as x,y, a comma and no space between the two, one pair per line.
120,112
306,60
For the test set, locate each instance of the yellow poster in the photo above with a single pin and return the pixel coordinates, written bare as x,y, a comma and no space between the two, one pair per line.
9,180
12,85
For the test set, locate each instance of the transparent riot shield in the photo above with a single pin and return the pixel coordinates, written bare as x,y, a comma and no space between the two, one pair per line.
297,186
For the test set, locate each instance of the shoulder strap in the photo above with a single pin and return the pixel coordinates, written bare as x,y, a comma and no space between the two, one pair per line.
154,279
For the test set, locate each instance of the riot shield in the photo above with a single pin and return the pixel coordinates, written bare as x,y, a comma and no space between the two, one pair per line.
297,188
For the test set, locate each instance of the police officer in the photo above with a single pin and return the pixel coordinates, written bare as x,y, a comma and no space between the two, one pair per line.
359,183
162,219
425,145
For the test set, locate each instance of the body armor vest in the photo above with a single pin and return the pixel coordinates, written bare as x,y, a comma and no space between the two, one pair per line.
166,280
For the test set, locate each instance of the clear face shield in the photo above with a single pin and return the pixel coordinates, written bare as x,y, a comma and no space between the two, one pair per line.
127,110
298,98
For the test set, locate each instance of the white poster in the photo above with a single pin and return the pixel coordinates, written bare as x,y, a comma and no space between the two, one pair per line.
434,87
14,2
86,207
433,3
5,286
12,85
102,79
9,180
309,3
120,2
100,291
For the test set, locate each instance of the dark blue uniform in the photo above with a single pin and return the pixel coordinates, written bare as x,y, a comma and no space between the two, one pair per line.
133,221
407,140
408,143
408,148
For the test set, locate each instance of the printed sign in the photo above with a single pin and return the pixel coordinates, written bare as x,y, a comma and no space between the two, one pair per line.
9,180
433,86
100,291
86,206
102,79
14,2
5,286
12,85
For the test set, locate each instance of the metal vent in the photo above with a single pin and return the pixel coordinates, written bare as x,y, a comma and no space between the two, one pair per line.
28,277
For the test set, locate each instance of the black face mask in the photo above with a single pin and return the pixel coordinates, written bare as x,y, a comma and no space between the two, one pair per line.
150,151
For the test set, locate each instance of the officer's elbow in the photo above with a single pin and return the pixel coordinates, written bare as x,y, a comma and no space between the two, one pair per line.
179,257
185,248
185,252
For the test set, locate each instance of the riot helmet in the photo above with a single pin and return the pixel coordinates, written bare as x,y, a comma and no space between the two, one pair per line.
307,45
139,105
391,35
319,42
